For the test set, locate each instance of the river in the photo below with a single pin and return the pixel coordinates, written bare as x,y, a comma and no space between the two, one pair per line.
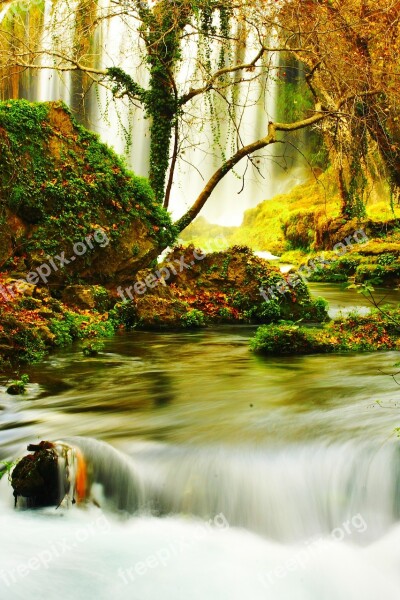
242,476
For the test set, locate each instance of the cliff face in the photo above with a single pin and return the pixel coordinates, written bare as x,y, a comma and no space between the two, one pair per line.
66,197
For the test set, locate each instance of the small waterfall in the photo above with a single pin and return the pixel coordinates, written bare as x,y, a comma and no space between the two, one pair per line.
115,484
288,494
116,41
326,514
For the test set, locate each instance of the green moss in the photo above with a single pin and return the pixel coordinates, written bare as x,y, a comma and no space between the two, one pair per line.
356,333
193,319
65,181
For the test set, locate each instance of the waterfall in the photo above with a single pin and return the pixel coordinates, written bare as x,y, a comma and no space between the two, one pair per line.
288,494
325,515
116,42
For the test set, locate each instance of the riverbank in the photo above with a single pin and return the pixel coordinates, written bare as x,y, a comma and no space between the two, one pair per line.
187,290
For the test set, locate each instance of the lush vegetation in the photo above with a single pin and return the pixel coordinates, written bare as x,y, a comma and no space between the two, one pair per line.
66,182
380,330
337,79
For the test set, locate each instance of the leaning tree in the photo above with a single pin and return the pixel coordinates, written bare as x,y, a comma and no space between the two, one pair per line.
223,47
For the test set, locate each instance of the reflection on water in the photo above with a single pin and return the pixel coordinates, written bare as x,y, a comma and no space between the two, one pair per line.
342,300
204,387
285,448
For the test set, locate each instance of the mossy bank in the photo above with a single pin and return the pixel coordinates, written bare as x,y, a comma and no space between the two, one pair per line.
58,185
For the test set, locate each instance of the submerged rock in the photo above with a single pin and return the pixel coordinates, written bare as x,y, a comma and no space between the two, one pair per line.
75,470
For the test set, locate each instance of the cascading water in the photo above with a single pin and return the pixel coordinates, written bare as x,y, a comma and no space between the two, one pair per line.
231,479
331,510
116,41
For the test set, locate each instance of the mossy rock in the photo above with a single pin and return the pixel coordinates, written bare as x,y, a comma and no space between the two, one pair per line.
225,286
36,477
59,185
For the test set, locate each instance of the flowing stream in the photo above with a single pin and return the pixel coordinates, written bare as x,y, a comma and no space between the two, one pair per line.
219,474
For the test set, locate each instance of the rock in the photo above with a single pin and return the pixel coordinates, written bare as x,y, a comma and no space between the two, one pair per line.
70,196
224,286
15,389
159,313
36,477
87,296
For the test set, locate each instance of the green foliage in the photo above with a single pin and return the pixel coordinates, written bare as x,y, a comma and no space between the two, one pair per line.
67,193
75,326
266,312
92,348
18,386
62,330
192,319
285,340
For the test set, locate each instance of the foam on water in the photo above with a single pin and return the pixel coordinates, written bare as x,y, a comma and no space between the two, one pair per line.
82,554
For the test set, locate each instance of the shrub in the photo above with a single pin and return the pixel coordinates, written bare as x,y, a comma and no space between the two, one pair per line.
286,339
266,312
193,318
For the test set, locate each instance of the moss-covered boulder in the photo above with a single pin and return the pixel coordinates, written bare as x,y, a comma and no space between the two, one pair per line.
379,330
67,197
231,286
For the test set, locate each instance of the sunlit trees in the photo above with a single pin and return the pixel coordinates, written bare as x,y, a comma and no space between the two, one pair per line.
349,51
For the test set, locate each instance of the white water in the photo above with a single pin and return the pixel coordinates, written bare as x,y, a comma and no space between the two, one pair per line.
82,556
342,516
